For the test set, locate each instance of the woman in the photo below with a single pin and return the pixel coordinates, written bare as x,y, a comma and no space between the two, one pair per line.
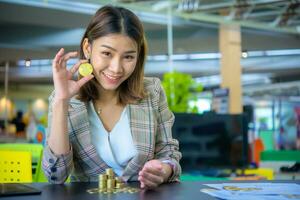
113,118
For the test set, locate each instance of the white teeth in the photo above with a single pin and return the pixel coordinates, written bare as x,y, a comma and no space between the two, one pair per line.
111,77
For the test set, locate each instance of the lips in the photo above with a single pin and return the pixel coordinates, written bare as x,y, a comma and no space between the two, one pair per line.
111,79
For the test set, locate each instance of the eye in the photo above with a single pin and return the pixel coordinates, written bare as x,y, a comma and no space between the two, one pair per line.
129,57
106,53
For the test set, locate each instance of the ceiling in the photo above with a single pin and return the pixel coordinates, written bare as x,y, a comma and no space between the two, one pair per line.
36,29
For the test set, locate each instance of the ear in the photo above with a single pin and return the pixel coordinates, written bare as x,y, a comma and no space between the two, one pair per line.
86,48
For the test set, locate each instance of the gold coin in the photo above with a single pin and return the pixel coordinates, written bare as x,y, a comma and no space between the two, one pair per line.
102,190
109,171
120,190
120,185
111,183
102,182
102,177
102,185
110,191
133,190
118,180
85,69
93,191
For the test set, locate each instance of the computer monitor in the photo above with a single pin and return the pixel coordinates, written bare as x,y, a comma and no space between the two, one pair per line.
211,141
17,189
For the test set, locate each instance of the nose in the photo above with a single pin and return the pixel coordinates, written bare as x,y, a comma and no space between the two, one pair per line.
116,65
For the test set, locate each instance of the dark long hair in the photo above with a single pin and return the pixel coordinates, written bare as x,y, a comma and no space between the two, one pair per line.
117,20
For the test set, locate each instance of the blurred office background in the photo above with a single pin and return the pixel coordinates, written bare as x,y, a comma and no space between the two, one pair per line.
231,71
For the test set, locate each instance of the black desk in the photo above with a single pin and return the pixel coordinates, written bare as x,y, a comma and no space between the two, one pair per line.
77,191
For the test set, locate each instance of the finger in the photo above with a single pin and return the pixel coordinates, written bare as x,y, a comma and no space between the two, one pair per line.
148,183
140,178
154,164
76,67
157,165
84,80
56,60
142,185
66,57
153,170
152,177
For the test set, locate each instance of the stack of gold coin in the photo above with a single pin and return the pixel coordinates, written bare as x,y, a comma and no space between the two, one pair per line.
109,183
102,182
110,173
118,180
119,183
110,180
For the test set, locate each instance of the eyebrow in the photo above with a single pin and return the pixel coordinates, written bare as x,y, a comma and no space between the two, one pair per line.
109,47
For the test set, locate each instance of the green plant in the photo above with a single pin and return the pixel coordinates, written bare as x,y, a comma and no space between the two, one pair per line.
181,88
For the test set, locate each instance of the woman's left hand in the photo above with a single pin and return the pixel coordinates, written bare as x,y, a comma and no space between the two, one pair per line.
154,173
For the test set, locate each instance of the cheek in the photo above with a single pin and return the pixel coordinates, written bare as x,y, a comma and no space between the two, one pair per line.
133,65
130,68
99,63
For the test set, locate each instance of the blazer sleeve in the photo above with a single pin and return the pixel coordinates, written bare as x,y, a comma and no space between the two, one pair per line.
166,147
56,168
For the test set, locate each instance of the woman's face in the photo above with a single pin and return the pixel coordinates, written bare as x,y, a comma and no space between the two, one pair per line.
114,58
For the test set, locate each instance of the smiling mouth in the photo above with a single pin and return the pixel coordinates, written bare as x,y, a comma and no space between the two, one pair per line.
113,78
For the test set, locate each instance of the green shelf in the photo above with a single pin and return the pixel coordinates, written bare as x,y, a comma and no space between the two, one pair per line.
186,177
286,155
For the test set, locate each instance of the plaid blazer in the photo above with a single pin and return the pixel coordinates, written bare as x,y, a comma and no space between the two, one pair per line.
150,121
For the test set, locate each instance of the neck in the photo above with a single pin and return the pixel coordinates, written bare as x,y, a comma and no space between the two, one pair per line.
108,96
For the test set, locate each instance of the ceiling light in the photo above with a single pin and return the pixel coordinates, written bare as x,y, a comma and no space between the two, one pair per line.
27,63
244,54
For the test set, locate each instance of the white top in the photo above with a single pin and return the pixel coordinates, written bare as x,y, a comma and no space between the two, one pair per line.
115,148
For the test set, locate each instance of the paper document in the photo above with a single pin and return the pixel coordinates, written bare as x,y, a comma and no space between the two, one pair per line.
254,191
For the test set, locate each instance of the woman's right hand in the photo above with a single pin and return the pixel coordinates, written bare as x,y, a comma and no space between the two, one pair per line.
65,87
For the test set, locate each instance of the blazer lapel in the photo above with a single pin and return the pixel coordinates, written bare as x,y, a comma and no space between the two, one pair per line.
81,136
142,129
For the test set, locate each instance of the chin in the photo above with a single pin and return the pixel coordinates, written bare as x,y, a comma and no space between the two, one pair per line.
110,87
